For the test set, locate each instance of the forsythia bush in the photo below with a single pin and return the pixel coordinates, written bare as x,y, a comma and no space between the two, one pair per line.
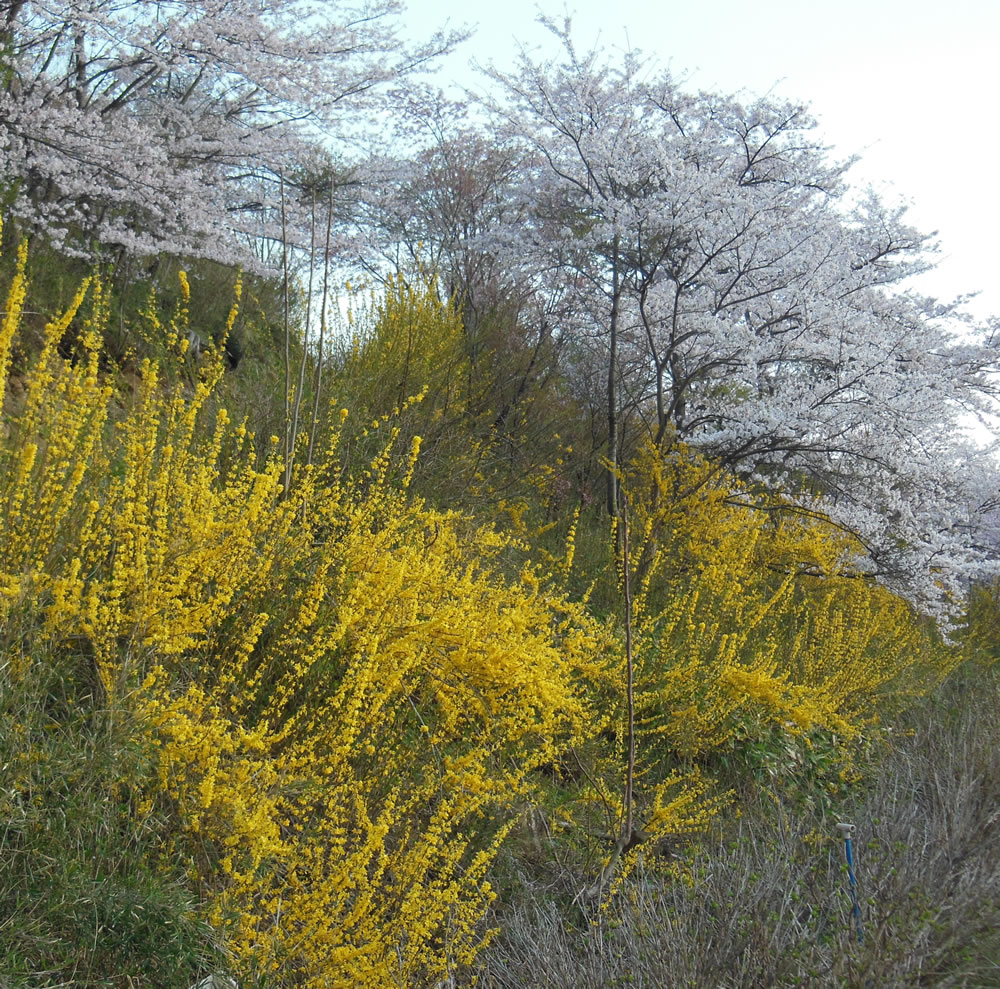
345,695
404,342
981,636
347,692
747,615
749,623
486,416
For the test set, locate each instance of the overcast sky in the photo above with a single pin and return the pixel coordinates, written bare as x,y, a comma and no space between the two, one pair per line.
911,85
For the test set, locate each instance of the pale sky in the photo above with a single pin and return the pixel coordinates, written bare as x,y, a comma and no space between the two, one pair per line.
911,85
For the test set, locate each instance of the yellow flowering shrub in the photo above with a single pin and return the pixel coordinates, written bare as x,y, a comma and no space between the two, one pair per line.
489,401
981,635
749,625
348,692
408,341
345,694
746,615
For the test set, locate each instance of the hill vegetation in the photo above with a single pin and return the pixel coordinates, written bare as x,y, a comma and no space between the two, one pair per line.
306,735
528,615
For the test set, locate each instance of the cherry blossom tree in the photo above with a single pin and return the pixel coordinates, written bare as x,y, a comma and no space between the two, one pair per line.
167,125
754,306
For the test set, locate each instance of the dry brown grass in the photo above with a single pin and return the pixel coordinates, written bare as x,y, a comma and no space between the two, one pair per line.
768,903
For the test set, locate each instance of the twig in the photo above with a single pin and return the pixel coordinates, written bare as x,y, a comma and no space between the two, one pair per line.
288,345
318,381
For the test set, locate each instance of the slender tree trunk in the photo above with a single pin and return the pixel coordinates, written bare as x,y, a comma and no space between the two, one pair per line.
300,388
286,444
629,829
613,388
7,27
629,835
318,378
80,69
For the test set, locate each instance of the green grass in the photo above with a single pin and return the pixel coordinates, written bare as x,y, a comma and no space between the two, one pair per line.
90,894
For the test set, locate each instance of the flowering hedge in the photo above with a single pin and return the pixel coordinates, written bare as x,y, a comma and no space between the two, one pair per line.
348,693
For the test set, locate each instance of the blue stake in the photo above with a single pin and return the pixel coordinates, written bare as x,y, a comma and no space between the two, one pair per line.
846,830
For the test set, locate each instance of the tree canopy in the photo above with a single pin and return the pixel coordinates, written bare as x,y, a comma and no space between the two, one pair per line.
165,125
753,305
